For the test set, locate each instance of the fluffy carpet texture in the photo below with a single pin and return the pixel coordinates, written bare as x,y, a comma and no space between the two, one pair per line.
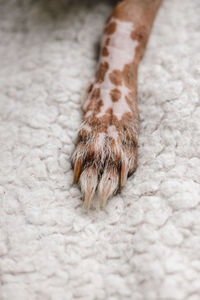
146,244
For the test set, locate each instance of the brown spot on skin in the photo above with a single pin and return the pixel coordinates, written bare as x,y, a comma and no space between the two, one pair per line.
130,75
107,41
93,99
99,105
95,94
110,28
105,51
115,95
140,34
89,89
116,77
109,111
103,68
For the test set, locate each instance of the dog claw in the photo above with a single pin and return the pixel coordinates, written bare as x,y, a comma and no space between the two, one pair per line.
123,174
77,169
88,182
108,185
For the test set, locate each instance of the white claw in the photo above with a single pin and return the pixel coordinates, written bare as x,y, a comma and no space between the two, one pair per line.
108,185
88,182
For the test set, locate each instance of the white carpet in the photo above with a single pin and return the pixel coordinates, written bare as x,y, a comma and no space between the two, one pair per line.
146,244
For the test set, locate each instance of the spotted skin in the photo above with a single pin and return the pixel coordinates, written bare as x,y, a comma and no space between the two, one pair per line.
106,148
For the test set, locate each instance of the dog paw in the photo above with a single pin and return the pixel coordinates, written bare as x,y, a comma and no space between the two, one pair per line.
105,155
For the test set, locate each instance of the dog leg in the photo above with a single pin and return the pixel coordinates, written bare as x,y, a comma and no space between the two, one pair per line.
106,149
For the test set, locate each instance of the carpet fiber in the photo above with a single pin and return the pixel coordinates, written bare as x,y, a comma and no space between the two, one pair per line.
146,244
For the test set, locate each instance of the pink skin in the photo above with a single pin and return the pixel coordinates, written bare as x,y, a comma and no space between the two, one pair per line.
116,59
